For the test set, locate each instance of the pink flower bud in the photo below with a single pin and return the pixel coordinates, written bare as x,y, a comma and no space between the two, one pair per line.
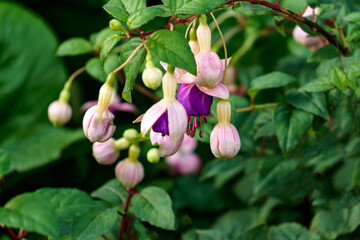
97,124
184,164
59,113
167,146
129,172
210,69
302,37
194,45
105,153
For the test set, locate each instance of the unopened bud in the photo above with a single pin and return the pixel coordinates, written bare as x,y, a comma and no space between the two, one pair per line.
153,155
122,144
131,134
116,25
129,172
134,152
59,113
105,152
152,75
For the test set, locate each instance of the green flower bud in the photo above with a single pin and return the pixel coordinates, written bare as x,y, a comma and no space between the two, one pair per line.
131,134
152,75
134,152
116,25
122,144
153,155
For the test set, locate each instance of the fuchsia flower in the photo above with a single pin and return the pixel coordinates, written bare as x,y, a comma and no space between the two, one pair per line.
105,152
224,139
59,113
168,116
185,161
167,147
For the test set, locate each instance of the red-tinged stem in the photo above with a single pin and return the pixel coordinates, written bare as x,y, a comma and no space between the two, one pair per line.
131,193
2,179
105,237
12,233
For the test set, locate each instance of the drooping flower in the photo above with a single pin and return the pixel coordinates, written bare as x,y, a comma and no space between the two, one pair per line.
105,152
224,139
167,146
168,116
59,113
185,161
97,122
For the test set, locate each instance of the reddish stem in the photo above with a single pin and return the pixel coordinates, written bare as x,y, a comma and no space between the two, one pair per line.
2,179
131,193
12,233
105,237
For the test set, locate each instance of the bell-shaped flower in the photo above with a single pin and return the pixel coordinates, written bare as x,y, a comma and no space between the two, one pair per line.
167,146
224,138
97,122
105,152
59,113
168,116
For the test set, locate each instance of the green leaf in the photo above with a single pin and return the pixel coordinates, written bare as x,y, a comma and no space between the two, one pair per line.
325,160
121,9
31,212
171,47
279,23
324,53
109,43
318,85
211,235
132,68
68,203
271,80
256,9
112,191
93,224
339,78
352,17
144,15
264,124
73,47
256,233
291,231
38,146
153,205
94,69
314,103
4,162
290,126
194,6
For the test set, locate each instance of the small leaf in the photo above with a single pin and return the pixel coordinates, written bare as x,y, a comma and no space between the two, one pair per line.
109,43
290,126
279,23
73,47
94,69
256,233
117,9
352,17
171,47
4,162
194,6
112,191
271,80
211,235
31,212
132,68
318,85
93,224
291,231
338,78
314,103
144,15
324,53
153,205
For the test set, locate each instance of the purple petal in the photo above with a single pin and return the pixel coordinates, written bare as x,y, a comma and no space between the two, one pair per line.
200,101
183,97
162,124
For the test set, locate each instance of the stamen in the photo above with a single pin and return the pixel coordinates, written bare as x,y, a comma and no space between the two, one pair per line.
188,129
196,124
204,118
162,134
201,131
193,130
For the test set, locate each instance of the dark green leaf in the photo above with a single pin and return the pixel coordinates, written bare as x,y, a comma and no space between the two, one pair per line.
194,6
112,191
291,231
279,23
290,126
73,47
314,103
94,69
132,68
339,78
171,47
121,9
211,235
325,160
257,233
109,43
264,124
323,53
31,212
144,15
318,85
153,205
271,80
93,224
352,17
256,9
4,162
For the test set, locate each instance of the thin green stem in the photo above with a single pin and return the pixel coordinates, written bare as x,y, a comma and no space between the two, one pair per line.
257,107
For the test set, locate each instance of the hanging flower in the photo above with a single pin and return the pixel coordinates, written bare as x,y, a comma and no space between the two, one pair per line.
167,146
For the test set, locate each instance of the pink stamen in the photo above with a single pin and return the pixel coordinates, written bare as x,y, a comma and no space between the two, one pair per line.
201,131
193,130
204,118
188,129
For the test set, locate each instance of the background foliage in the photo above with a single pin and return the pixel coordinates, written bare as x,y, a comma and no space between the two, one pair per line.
297,175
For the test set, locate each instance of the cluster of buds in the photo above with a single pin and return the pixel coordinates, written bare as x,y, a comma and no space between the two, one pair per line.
303,38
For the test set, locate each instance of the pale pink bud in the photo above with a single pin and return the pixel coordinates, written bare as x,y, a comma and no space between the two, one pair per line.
194,45
97,124
129,172
59,113
184,164
210,69
167,146
105,153
224,139
302,37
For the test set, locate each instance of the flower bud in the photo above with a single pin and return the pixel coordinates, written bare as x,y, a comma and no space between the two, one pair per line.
134,152
105,153
129,172
97,124
203,33
131,134
152,75
194,44
116,25
224,138
153,155
122,144
210,69
167,146
59,113
184,164
302,37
